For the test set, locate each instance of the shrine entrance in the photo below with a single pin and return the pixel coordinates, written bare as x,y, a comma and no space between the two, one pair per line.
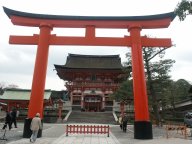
92,103
133,24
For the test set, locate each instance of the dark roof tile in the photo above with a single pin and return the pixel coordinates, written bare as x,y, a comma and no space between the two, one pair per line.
93,62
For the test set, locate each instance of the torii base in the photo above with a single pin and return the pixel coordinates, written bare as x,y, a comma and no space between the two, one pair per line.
27,131
143,130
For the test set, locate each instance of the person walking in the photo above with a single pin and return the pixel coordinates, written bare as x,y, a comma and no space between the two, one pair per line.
125,121
35,126
14,117
120,121
7,120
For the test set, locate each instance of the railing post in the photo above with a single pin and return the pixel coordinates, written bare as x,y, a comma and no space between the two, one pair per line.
91,129
102,128
67,131
80,129
94,129
108,131
185,132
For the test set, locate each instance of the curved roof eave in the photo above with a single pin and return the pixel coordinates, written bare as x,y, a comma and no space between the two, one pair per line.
76,68
10,12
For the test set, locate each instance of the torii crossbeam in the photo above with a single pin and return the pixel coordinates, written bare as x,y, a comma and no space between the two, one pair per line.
134,24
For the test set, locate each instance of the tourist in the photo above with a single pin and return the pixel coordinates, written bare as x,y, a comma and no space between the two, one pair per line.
17,113
35,126
125,121
7,121
120,121
14,116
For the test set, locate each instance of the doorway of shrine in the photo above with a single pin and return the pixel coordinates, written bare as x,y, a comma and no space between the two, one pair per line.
92,103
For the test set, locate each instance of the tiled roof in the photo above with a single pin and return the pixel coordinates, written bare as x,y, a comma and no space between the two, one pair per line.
92,62
21,94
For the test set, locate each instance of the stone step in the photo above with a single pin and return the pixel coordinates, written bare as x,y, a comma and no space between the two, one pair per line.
91,117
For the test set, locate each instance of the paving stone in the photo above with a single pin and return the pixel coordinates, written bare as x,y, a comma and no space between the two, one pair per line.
55,134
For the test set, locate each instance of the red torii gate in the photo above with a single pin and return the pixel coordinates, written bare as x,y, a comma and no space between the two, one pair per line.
134,24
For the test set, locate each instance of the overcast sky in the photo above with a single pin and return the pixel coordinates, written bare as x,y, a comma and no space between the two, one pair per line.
17,61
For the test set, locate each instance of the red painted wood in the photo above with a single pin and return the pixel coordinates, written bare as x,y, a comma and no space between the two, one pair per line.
124,24
139,83
91,41
87,129
39,76
135,41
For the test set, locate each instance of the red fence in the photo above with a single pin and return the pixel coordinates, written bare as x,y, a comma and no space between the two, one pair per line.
87,129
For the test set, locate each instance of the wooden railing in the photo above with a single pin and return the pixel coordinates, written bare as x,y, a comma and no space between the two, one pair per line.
173,129
87,129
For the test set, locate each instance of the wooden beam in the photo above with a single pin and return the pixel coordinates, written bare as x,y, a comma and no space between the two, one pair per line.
156,42
94,41
24,40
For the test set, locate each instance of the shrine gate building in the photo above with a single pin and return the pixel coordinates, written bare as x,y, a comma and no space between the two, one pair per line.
91,79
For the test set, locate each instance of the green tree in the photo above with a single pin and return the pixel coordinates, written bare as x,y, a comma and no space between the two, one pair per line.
181,90
125,92
156,74
176,91
190,91
3,86
183,9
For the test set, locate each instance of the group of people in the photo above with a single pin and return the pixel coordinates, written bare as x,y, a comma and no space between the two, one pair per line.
11,118
123,120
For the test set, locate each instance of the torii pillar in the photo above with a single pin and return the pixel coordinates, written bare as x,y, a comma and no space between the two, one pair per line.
142,125
39,78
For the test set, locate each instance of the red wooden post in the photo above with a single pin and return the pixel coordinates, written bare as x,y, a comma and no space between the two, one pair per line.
91,129
70,128
80,129
139,84
74,129
40,70
142,123
105,129
102,127
88,129
94,129
39,77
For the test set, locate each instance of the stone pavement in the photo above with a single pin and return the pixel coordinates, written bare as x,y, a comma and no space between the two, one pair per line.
55,134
